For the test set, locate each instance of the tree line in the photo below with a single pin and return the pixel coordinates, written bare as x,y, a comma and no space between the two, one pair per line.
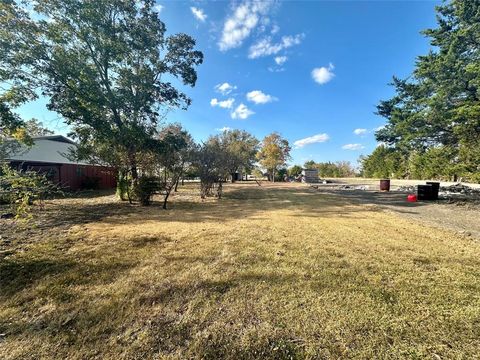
107,67
433,120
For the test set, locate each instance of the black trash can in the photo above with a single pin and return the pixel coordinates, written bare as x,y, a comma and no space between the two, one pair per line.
385,185
424,192
435,189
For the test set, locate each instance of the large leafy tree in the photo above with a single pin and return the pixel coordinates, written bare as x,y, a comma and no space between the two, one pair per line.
173,154
295,170
209,162
274,153
17,85
34,127
384,162
106,66
240,148
438,107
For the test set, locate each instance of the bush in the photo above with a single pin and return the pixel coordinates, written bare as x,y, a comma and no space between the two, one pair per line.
146,187
123,186
21,188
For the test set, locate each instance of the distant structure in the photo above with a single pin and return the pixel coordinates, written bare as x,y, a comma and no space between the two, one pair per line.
48,155
310,175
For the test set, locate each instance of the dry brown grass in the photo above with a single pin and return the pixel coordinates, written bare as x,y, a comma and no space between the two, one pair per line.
275,272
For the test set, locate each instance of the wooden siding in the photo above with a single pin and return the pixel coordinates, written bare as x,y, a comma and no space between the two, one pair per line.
72,176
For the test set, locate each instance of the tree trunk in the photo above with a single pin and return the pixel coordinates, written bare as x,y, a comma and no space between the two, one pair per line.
122,185
176,184
165,200
233,177
273,175
132,160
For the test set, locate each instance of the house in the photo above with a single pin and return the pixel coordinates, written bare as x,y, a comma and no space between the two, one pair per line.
49,155
310,175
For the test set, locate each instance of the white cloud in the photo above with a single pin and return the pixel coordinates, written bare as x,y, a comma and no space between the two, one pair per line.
225,104
360,131
379,128
224,88
258,97
265,47
280,60
323,74
241,112
275,69
198,13
238,26
275,29
223,129
158,8
353,147
319,138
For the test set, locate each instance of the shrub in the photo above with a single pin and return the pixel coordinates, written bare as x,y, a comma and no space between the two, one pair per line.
146,187
21,188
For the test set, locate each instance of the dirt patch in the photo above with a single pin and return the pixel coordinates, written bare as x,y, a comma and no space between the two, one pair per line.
460,215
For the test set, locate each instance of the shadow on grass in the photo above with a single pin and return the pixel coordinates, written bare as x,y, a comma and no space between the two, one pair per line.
53,265
57,274
239,201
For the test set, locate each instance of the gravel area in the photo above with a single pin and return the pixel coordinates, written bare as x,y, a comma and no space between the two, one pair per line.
457,214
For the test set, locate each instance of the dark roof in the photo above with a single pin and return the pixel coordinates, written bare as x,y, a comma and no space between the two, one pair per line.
59,138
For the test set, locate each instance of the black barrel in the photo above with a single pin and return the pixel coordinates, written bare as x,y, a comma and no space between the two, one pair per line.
435,189
424,192
385,185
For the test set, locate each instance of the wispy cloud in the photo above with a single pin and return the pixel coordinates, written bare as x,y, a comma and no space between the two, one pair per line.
241,112
225,88
353,147
319,138
360,131
238,26
324,74
275,69
198,13
225,104
223,129
266,47
280,60
258,97
158,8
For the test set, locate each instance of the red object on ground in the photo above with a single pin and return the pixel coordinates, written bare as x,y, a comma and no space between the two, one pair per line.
412,198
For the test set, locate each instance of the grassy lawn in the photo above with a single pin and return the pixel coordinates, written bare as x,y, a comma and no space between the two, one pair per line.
271,272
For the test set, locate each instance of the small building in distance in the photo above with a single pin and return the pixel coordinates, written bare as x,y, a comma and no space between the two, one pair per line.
310,175
49,155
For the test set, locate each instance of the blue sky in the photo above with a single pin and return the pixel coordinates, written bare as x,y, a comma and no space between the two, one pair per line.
311,70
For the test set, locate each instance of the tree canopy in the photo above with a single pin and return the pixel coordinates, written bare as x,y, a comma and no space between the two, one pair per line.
274,153
106,66
434,115
240,148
